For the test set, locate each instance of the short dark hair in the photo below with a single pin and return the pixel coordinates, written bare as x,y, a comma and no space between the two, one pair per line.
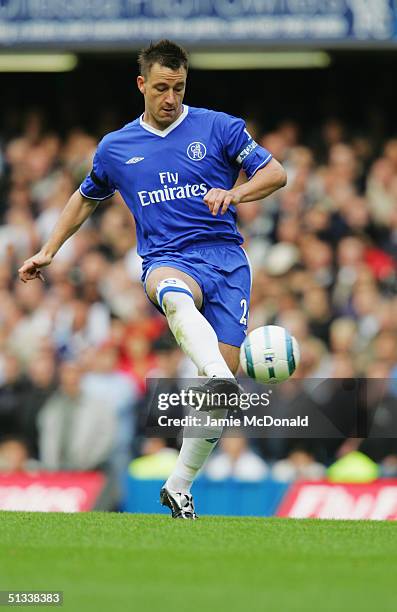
164,52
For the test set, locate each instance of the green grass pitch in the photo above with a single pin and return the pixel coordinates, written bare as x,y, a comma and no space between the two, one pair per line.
148,563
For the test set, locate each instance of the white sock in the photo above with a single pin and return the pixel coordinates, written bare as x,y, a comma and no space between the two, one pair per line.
199,341
192,331
193,454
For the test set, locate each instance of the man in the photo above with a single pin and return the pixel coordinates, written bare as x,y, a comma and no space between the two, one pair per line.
175,167
76,431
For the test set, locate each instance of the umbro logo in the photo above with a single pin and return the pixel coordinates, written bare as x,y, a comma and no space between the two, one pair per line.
134,160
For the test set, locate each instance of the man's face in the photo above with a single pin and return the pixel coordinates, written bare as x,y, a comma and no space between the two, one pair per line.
163,90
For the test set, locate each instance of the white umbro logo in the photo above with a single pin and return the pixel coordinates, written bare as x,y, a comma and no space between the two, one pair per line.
134,160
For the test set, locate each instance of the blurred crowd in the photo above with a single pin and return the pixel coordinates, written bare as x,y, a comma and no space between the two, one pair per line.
75,349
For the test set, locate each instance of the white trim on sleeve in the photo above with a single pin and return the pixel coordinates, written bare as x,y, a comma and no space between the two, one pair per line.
96,199
268,158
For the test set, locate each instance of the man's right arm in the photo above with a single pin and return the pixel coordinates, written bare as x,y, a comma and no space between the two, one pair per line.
76,211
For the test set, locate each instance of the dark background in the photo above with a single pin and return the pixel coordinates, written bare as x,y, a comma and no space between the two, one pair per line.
100,94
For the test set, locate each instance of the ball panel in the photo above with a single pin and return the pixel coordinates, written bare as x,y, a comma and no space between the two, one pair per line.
297,352
278,336
290,354
243,361
248,358
262,373
256,341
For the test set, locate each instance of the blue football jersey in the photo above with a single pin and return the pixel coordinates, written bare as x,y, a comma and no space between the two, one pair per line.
163,176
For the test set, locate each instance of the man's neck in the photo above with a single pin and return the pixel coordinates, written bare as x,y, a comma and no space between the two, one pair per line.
150,120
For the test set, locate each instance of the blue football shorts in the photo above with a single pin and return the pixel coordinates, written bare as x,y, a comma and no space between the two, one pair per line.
223,273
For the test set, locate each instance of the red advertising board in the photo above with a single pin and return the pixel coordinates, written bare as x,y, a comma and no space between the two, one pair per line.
50,492
376,500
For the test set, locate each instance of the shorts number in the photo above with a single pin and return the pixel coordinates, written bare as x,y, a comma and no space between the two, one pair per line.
244,306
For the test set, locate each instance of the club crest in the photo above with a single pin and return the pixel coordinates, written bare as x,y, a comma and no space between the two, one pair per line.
196,151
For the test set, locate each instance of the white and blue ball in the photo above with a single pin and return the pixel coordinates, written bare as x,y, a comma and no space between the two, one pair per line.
269,354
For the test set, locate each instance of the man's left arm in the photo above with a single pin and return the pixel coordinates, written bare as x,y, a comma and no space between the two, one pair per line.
264,182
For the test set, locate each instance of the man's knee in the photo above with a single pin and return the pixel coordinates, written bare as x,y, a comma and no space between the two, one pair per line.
159,275
169,290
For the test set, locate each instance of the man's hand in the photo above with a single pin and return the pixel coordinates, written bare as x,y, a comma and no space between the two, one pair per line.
32,266
217,198
264,182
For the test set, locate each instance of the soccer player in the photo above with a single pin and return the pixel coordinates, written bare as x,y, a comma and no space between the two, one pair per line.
176,168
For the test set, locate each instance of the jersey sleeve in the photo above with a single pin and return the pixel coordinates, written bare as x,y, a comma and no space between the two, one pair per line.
97,185
241,148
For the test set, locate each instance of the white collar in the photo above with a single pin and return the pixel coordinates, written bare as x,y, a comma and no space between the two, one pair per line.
164,133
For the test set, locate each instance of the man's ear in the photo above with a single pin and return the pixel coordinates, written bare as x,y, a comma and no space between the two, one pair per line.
140,81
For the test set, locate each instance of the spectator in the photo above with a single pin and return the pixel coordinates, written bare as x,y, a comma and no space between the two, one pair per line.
12,388
236,460
102,382
14,457
75,432
157,460
298,465
39,386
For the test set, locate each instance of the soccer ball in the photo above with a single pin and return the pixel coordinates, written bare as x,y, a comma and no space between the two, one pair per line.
269,354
